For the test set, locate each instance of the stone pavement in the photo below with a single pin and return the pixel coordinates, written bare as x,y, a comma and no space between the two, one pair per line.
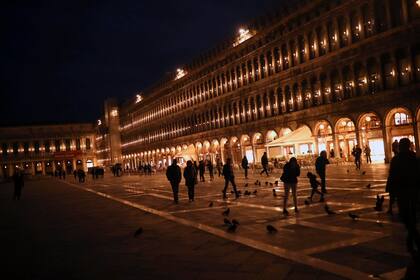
64,229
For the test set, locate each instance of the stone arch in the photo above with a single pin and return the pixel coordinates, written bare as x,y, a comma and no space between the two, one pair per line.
345,133
398,124
370,128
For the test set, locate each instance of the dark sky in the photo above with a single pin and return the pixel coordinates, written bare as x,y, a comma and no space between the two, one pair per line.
60,59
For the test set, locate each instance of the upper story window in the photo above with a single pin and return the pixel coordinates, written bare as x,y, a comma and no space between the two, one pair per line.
88,146
36,147
57,145
4,149
67,143
78,144
401,119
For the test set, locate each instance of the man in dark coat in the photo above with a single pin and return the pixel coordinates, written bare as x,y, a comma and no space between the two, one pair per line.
357,153
210,167
404,179
264,163
190,179
173,173
320,166
18,183
244,165
202,169
229,177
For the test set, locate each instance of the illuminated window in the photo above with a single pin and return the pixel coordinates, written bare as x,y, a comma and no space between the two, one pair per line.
88,144
401,119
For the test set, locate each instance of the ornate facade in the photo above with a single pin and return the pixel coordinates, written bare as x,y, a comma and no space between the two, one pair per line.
331,74
44,149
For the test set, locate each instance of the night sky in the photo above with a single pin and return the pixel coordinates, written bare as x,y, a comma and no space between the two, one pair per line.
61,59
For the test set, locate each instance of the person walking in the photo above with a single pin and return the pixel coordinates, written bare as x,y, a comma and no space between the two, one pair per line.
367,154
320,167
291,171
404,179
18,184
229,177
314,186
357,153
173,174
219,166
245,166
75,174
210,168
264,163
190,176
202,169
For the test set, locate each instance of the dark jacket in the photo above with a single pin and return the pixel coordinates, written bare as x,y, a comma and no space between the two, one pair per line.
244,163
290,173
190,175
228,171
173,173
403,179
264,160
320,164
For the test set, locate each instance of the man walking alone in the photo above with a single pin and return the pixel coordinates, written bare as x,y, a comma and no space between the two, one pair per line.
173,173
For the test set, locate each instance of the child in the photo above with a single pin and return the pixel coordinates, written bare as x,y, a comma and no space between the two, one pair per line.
314,185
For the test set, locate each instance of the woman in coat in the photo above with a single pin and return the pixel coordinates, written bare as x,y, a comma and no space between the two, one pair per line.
291,171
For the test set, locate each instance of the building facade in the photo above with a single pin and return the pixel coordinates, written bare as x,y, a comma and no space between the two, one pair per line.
41,150
326,75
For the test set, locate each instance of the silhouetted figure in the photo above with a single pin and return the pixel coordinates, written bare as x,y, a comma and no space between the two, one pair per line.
60,174
332,153
229,177
244,165
314,185
81,175
210,168
404,180
64,174
75,174
173,173
202,169
264,163
367,154
357,153
320,167
219,166
196,171
291,171
190,176
395,147
18,184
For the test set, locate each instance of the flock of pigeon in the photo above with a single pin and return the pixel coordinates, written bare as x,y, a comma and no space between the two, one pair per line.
232,225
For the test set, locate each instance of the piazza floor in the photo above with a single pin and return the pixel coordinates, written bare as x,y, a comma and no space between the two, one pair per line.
190,240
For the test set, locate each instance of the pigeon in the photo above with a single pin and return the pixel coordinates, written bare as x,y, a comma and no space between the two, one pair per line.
254,192
256,183
232,191
271,229
247,192
328,210
235,222
138,232
227,222
353,216
364,172
266,183
232,228
368,186
271,184
239,192
307,202
276,183
211,204
226,212
379,203
348,171
246,185
259,183
274,193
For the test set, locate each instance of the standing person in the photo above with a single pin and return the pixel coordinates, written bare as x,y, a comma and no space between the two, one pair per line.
332,153
64,174
229,177
210,167
404,179
367,154
320,167
244,165
190,176
395,147
219,166
18,184
173,173
291,171
357,153
202,169
75,174
264,163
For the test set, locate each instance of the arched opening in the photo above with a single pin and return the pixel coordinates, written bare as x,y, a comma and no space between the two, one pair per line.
399,124
224,149
324,138
345,132
198,150
270,136
235,147
205,150
370,129
247,148
215,150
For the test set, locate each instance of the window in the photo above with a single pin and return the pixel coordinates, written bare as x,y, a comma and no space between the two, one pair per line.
57,145
67,143
26,147
78,144
47,147
401,119
36,146
87,144
4,149
15,148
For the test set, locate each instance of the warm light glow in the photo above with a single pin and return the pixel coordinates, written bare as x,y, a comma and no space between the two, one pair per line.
244,34
418,3
99,122
180,73
368,119
138,98
321,126
114,113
